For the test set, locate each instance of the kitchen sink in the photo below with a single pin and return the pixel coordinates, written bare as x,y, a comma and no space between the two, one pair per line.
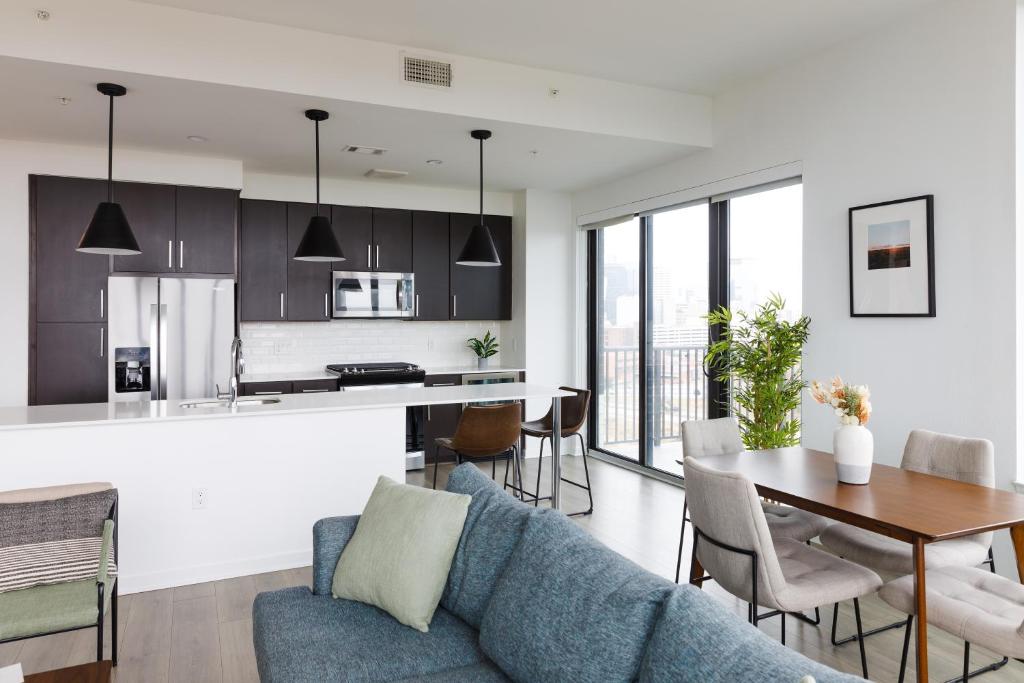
227,404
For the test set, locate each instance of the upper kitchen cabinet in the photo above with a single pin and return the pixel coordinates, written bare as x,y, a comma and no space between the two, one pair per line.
481,292
69,286
392,240
263,260
206,219
353,226
309,282
149,209
430,255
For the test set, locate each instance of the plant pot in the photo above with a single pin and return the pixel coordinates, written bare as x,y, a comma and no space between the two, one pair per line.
853,447
482,363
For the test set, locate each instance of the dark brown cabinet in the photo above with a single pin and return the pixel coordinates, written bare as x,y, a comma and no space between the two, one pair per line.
392,240
206,220
70,363
314,386
263,260
309,283
69,286
481,293
353,226
149,209
265,388
430,254
439,420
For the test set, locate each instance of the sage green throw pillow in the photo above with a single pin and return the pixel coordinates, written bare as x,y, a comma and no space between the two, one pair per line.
400,554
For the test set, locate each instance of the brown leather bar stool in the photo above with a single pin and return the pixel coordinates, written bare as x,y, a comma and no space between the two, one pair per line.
574,416
484,432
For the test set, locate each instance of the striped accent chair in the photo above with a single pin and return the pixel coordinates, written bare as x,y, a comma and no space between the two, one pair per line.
58,561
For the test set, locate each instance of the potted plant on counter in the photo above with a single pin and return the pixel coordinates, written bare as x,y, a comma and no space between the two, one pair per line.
483,348
759,355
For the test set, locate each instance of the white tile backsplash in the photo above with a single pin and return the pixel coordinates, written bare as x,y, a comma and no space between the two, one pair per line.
304,347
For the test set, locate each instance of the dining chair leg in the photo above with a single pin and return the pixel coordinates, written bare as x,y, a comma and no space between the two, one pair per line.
437,461
850,639
860,637
783,617
906,647
967,661
968,674
540,466
494,467
99,622
113,625
682,533
586,473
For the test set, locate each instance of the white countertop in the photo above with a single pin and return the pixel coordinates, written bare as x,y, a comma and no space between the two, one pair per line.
469,370
34,417
302,376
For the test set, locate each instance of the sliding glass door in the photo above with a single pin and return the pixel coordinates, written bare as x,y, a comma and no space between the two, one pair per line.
653,279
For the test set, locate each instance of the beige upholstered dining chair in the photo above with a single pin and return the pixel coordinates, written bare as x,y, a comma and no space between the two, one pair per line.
976,605
721,436
733,544
942,455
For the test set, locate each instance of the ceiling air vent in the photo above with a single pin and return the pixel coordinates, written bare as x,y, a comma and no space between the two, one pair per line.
385,174
364,149
427,72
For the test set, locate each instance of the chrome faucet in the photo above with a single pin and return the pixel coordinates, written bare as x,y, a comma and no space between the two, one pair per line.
237,368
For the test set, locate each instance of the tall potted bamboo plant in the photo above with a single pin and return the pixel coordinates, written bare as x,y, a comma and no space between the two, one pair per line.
758,355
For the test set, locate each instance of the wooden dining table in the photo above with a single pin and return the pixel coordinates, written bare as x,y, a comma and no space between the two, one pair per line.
908,506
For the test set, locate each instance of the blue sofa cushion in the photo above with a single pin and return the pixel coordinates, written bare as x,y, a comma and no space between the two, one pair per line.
485,672
494,525
568,608
697,640
330,536
305,638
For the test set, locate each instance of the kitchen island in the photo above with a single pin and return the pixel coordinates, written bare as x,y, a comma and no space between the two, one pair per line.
209,493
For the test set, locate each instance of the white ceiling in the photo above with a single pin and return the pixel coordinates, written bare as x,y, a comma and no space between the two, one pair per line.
268,132
697,46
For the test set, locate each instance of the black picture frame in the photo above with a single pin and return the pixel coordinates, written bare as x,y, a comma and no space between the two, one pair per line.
930,238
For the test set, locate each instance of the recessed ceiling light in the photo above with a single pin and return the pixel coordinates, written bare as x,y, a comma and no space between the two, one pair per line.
196,138
42,15
434,162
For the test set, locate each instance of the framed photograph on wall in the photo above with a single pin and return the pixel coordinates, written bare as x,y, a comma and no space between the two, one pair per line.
892,259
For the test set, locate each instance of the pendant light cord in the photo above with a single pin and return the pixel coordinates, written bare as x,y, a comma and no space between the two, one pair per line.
481,181
110,152
317,134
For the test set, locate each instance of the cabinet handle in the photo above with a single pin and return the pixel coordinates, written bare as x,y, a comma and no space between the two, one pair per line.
170,253
327,304
102,344
102,307
267,393
369,261
181,255
315,391
417,311
282,305
377,265
455,305
443,384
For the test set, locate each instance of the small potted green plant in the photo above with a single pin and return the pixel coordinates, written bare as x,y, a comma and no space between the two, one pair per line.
483,348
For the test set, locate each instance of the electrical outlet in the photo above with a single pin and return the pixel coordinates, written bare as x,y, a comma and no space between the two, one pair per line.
200,498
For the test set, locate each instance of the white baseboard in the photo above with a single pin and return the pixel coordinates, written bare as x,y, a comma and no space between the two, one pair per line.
186,576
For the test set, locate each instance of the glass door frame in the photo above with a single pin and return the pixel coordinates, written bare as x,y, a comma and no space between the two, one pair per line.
718,294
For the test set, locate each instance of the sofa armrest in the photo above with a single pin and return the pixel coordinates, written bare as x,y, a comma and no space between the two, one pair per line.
330,535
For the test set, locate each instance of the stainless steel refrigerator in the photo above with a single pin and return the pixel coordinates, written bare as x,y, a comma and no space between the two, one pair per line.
169,338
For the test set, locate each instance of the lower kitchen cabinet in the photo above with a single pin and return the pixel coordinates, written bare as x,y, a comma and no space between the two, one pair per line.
314,386
439,421
265,388
70,363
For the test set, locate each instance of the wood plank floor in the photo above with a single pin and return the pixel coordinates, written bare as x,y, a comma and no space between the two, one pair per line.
203,633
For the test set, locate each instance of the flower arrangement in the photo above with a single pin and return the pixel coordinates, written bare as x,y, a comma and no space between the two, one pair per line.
851,403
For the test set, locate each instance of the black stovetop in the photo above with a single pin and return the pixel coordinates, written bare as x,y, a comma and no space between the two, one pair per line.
377,373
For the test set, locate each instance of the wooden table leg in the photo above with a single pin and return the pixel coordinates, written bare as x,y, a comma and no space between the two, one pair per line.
1017,534
921,610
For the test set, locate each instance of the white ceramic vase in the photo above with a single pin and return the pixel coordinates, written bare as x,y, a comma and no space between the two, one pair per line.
482,363
854,449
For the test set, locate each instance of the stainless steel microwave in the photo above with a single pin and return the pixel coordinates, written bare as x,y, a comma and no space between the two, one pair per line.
373,295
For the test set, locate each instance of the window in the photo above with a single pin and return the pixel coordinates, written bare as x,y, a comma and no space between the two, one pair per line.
653,279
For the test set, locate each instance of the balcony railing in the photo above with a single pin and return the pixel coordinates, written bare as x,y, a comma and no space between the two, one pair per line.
678,389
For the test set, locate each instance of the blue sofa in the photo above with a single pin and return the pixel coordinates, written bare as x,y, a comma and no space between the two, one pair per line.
530,597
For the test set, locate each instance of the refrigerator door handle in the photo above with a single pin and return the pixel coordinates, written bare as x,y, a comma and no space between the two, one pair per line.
162,368
154,355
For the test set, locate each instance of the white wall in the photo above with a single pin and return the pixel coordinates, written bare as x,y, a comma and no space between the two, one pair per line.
925,106
18,159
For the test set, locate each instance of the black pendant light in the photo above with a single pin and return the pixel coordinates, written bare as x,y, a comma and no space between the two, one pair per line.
318,242
108,231
479,249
